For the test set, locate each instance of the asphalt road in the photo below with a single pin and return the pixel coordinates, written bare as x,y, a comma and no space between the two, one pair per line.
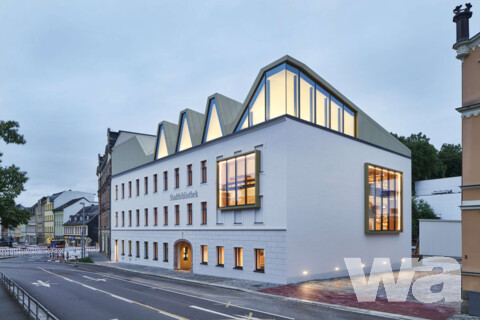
100,292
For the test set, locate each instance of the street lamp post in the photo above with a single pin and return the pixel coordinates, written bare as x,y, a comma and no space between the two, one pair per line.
83,229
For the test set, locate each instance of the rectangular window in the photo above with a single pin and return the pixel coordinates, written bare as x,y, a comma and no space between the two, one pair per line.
238,258
177,178
123,247
138,217
138,249
155,182
145,249
260,260
129,218
165,180
204,213
204,171
129,248
165,216
189,211
383,206
155,251
137,183
123,190
146,217
116,219
189,175
165,252
204,250
116,192
238,181
177,214
129,189
336,115
145,182
348,121
155,216
220,256
123,218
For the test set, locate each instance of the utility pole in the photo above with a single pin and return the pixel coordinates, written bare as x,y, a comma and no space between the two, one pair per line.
83,229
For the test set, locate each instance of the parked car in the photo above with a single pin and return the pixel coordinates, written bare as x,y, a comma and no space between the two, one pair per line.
7,241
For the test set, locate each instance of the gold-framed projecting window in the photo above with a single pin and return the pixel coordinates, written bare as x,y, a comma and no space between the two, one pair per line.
383,200
238,181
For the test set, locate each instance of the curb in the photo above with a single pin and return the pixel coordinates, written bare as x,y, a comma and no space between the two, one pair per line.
322,304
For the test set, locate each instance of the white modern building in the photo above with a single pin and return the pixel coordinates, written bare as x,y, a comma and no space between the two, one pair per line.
280,188
443,195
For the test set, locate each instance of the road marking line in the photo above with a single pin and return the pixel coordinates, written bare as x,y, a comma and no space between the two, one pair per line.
94,279
214,312
173,290
171,315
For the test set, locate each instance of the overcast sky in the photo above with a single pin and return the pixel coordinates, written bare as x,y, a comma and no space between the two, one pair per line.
71,69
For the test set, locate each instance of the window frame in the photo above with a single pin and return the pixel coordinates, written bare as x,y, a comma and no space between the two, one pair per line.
256,251
155,183
236,265
257,203
221,265
145,217
203,171
204,212
165,180
145,185
177,214
367,207
155,216
177,178
189,175
165,252
189,214
165,215
203,257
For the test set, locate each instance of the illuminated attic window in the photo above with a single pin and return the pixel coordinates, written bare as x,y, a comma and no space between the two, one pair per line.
162,145
185,140
213,129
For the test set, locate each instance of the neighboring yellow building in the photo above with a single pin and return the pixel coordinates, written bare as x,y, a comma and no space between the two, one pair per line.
49,221
468,50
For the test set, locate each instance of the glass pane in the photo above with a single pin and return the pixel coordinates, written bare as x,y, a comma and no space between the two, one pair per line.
392,206
371,198
214,130
185,141
222,182
257,105
162,145
378,199
260,259
292,91
241,180
276,96
250,178
307,98
398,198
231,182
221,259
385,196
336,115
348,121
243,122
321,101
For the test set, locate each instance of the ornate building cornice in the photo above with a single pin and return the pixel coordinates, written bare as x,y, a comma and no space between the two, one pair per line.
469,111
463,47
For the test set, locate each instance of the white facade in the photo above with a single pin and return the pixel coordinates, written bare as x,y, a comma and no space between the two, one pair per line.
440,237
312,214
443,195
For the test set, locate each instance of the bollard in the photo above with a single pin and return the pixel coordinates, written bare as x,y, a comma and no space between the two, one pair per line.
76,261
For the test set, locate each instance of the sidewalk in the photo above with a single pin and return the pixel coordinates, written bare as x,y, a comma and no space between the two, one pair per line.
9,308
338,292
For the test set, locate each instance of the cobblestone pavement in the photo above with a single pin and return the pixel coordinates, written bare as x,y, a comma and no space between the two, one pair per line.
9,308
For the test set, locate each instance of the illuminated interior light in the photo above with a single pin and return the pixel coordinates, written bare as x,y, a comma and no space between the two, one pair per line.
337,268
305,272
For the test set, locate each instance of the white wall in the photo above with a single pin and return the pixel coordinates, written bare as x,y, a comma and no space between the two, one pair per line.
441,238
326,203
261,228
445,206
427,187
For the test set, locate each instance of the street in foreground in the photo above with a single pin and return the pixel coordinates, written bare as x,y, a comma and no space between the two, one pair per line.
99,292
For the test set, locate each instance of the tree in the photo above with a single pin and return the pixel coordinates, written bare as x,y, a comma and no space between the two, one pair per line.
426,163
420,210
12,181
451,157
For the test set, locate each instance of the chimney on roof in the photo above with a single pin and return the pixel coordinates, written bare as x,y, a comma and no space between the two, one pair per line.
461,19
